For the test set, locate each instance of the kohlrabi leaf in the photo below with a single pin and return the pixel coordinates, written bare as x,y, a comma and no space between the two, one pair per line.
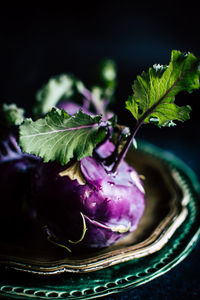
11,115
108,72
60,137
74,172
154,91
108,77
52,92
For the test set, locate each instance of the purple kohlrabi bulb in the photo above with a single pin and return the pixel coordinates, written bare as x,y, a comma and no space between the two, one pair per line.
14,167
72,108
94,212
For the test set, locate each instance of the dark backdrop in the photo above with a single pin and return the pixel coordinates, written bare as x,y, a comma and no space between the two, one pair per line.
36,43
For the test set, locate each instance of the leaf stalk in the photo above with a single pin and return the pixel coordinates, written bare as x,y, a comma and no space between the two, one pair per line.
139,123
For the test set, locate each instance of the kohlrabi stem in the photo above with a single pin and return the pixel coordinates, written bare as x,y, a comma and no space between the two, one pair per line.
127,145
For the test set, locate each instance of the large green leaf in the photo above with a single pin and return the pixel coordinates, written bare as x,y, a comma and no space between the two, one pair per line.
61,137
154,91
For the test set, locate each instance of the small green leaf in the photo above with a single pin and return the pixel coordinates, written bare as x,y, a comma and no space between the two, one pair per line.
11,115
154,91
108,71
107,80
74,173
60,137
53,91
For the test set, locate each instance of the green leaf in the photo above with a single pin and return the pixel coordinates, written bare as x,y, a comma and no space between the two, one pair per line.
11,115
61,137
108,72
106,81
74,172
53,91
154,91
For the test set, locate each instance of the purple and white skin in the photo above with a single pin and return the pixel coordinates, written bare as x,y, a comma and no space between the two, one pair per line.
94,213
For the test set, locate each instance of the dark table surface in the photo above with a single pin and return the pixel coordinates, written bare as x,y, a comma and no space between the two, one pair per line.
37,43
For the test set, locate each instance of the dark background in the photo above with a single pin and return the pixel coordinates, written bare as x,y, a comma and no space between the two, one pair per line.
39,42
36,43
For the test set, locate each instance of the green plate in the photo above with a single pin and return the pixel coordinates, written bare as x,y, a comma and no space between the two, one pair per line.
123,275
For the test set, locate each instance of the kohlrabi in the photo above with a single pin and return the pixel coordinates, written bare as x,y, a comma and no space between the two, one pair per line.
83,202
84,194
14,165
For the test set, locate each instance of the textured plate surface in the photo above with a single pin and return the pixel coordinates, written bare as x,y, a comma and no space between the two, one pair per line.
134,271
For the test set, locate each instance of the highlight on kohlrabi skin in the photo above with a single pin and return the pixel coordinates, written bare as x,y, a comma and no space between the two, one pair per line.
83,193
